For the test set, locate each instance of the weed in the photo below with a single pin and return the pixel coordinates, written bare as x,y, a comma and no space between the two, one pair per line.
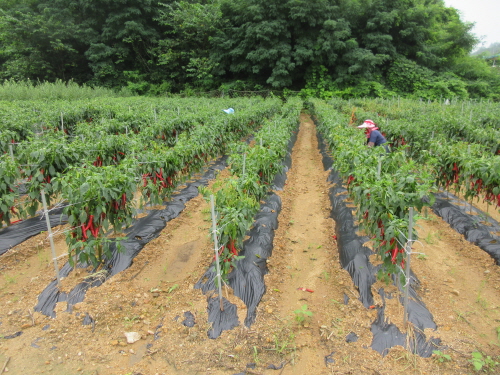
422,256
282,344
426,216
172,288
462,316
481,362
498,333
302,314
255,355
411,360
326,275
429,239
440,356
43,256
482,302
129,322
10,279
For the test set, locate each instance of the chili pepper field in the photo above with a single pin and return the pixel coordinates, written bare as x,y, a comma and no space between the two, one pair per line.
312,232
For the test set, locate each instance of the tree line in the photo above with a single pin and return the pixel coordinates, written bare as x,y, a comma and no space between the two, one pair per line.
346,48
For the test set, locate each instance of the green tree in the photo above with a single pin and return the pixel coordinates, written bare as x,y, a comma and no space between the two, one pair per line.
94,41
184,49
275,43
40,45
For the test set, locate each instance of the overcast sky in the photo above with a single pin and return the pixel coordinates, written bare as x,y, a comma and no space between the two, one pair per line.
486,15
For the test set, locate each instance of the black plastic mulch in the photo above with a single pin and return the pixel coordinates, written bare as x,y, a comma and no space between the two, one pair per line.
354,259
138,235
247,278
478,228
19,232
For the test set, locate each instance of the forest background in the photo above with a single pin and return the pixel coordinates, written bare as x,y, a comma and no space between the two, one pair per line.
323,48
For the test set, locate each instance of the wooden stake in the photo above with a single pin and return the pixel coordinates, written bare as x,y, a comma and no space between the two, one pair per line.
216,249
244,162
49,230
407,275
11,151
5,365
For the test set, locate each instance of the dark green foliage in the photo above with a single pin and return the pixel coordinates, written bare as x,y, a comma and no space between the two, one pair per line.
325,48
183,52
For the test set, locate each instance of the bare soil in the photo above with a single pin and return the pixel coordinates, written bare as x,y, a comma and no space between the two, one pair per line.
301,319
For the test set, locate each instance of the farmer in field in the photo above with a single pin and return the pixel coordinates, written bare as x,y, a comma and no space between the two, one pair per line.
375,138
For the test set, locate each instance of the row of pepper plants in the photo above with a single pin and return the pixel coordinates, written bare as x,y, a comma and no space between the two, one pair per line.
384,198
41,157
462,150
253,168
158,118
99,184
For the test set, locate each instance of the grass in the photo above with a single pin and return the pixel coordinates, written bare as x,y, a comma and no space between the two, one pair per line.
255,355
432,237
59,90
284,343
480,300
129,322
10,279
172,288
428,239
463,316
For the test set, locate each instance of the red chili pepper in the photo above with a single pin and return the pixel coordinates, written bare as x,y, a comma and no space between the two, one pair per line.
84,231
232,248
394,255
90,224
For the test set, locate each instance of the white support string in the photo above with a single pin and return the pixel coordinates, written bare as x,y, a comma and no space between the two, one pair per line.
62,231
